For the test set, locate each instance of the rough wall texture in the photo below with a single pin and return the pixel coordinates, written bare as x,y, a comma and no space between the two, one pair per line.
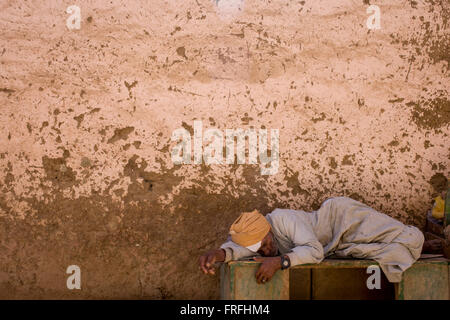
87,115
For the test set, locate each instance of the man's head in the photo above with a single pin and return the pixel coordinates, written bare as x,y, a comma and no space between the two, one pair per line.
268,246
253,231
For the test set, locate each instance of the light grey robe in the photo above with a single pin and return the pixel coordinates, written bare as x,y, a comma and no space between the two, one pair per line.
344,227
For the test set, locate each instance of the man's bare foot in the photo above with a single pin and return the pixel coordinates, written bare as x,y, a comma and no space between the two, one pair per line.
432,246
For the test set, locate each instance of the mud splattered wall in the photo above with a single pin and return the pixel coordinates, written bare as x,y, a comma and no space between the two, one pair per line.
87,116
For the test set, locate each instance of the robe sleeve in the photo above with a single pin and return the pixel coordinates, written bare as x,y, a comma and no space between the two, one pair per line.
307,248
234,251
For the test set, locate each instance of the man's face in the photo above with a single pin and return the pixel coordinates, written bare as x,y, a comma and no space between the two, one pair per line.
268,246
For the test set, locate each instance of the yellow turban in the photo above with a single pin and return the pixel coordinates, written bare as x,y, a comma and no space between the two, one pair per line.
249,228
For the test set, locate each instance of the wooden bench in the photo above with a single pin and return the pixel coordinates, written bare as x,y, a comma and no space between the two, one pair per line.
335,279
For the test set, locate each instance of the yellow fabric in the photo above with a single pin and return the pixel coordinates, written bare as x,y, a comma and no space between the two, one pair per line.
249,228
438,208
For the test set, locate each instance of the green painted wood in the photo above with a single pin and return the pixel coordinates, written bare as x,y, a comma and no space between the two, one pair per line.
238,282
327,263
225,283
426,279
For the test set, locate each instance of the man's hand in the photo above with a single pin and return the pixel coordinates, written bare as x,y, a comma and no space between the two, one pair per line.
207,260
269,266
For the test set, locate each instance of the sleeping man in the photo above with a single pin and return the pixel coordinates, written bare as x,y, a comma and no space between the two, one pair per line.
341,226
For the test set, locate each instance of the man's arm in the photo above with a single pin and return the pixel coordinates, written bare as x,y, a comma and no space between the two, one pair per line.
235,252
227,252
207,260
307,248
310,252
269,266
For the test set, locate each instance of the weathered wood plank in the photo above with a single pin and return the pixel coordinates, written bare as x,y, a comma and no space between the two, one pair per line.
238,282
426,279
